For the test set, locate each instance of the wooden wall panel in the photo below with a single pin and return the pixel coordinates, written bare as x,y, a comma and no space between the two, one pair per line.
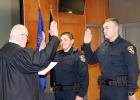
32,34
96,13
138,91
94,70
31,17
75,24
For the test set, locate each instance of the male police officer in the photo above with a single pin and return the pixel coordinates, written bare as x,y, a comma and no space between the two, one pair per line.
71,72
118,61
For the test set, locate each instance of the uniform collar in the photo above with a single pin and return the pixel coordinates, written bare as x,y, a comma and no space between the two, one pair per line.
67,53
116,41
70,51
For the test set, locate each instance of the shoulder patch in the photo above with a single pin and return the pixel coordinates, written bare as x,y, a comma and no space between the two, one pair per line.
75,50
82,58
131,49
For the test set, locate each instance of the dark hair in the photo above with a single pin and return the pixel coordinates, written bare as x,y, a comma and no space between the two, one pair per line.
113,20
69,34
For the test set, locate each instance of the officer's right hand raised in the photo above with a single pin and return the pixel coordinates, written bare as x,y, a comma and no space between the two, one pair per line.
87,36
53,29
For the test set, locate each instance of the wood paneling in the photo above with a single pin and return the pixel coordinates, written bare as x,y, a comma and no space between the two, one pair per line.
75,24
31,17
96,13
138,91
94,70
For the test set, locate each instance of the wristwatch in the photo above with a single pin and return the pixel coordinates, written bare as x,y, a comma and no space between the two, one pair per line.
130,93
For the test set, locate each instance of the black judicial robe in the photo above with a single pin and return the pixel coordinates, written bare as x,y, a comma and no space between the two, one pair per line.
19,67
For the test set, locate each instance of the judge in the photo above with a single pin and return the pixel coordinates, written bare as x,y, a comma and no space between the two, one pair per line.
19,65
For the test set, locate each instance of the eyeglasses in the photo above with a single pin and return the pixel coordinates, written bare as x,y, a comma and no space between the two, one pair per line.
24,34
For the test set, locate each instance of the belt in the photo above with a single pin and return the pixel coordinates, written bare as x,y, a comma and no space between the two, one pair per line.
74,88
120,81
114,83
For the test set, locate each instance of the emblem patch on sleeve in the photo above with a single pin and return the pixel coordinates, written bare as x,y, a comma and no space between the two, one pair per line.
131,49
82,58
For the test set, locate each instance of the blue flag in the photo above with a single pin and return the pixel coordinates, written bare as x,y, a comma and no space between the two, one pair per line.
40,30
40,36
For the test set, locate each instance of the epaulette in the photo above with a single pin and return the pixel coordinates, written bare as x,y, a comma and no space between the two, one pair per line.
131,48
75,50
60,51
80,54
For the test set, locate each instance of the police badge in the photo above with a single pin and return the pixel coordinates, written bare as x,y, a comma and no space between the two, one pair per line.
82,58
131,49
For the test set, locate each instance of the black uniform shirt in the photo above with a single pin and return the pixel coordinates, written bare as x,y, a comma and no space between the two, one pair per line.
116,58
71,68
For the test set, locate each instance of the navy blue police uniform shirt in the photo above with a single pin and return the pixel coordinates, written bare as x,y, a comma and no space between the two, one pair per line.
115,59
71,68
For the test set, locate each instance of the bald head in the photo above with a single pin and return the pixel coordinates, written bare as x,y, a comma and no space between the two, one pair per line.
19,29
19,34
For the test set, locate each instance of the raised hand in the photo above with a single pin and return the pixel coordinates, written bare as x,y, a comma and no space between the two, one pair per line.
43,43
79,98
53,29
87,36
133,97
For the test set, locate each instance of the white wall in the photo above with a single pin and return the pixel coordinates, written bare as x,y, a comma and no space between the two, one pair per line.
131,33
128,13
9,15
125,10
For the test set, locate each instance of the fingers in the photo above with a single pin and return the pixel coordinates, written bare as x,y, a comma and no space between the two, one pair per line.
87,36
53,29
43,36
79,98
133,97
43,43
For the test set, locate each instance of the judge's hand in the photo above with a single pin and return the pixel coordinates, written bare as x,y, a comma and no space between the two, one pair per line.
133,97
87,36
79,98
43,43
53,29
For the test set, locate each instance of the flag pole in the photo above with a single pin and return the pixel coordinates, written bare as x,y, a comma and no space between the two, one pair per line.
57,15
40,36
52,70
38,4
85,7
50,18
